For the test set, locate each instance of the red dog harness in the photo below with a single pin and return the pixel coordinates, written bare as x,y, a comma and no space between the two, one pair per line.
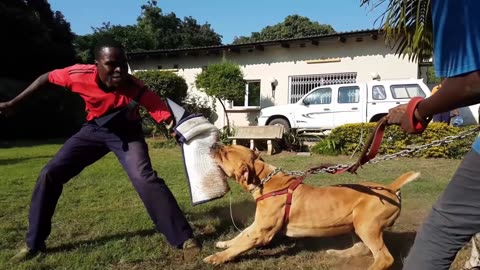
289,191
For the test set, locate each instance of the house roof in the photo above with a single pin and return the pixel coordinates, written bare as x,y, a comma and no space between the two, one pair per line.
259,45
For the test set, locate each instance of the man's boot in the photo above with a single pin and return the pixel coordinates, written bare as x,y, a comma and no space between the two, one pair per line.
26,254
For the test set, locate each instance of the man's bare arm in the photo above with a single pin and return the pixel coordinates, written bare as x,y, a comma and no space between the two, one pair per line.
39,83
456,92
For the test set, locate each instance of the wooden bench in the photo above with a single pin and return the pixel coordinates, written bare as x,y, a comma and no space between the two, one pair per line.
253,133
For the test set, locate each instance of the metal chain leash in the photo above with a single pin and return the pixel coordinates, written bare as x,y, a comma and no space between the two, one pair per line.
330,169
274,172
419,148
266,179
294,173
333,169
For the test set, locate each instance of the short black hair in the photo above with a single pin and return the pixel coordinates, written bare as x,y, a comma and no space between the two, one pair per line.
107,43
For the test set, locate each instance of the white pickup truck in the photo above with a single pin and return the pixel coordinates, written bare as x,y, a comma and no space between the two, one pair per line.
330,106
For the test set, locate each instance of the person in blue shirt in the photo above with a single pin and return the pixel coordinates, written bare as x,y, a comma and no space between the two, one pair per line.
455,217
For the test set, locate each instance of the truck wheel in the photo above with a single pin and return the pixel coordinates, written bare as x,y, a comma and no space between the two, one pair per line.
280,122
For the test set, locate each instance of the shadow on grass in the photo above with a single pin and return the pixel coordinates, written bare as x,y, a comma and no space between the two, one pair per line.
6,143
242,213
398,243
100,241
12,161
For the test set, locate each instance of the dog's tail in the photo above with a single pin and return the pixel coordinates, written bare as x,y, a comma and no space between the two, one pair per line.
403,180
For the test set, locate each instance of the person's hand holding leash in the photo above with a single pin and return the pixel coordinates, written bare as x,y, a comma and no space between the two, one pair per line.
407,117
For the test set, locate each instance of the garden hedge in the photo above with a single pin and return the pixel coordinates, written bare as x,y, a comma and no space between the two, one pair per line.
346,139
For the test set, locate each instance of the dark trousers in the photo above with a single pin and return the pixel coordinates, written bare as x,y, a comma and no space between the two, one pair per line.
86,147
454,219
443,117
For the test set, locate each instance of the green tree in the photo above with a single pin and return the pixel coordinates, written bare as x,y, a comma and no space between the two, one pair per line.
223,81
408,26
171,32
154,30
193,34
431,77
131,36
36,39
294,26
163,28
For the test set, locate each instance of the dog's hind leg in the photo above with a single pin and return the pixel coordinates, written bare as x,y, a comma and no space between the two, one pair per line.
358,249
372,236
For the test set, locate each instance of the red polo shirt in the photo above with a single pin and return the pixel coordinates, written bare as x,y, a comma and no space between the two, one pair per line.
81,79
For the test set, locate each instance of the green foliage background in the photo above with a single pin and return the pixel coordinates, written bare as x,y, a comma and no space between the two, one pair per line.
346,139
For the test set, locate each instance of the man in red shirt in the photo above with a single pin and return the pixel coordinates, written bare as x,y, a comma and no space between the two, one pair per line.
111,98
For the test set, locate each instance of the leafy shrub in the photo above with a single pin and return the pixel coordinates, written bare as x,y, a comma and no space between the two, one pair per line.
348,137
195,104
150,126
223,81
165,84
226,132
166,143
326,146
292,141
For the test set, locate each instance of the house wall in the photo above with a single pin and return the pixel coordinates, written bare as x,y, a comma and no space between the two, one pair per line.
363,57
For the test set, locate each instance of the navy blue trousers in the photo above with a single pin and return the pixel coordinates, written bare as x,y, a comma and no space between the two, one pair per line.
86,147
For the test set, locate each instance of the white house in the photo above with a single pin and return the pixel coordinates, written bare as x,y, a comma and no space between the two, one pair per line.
281,71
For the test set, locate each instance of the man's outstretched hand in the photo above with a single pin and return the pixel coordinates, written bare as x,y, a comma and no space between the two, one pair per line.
5,108
169,124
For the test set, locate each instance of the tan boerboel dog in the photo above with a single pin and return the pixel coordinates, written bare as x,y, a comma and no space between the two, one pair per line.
366,209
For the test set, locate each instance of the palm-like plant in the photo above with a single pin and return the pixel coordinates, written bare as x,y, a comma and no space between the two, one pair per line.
407,25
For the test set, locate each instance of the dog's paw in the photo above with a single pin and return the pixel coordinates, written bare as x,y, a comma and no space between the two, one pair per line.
214,259
222,244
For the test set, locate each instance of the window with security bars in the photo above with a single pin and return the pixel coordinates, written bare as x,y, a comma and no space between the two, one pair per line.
319,96
349,94
302,84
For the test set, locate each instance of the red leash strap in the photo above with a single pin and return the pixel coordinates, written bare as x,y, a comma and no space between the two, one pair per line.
349,169
369,151
417,125
375,140
371,147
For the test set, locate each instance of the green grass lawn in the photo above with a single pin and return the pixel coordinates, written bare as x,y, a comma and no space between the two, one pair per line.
100,222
